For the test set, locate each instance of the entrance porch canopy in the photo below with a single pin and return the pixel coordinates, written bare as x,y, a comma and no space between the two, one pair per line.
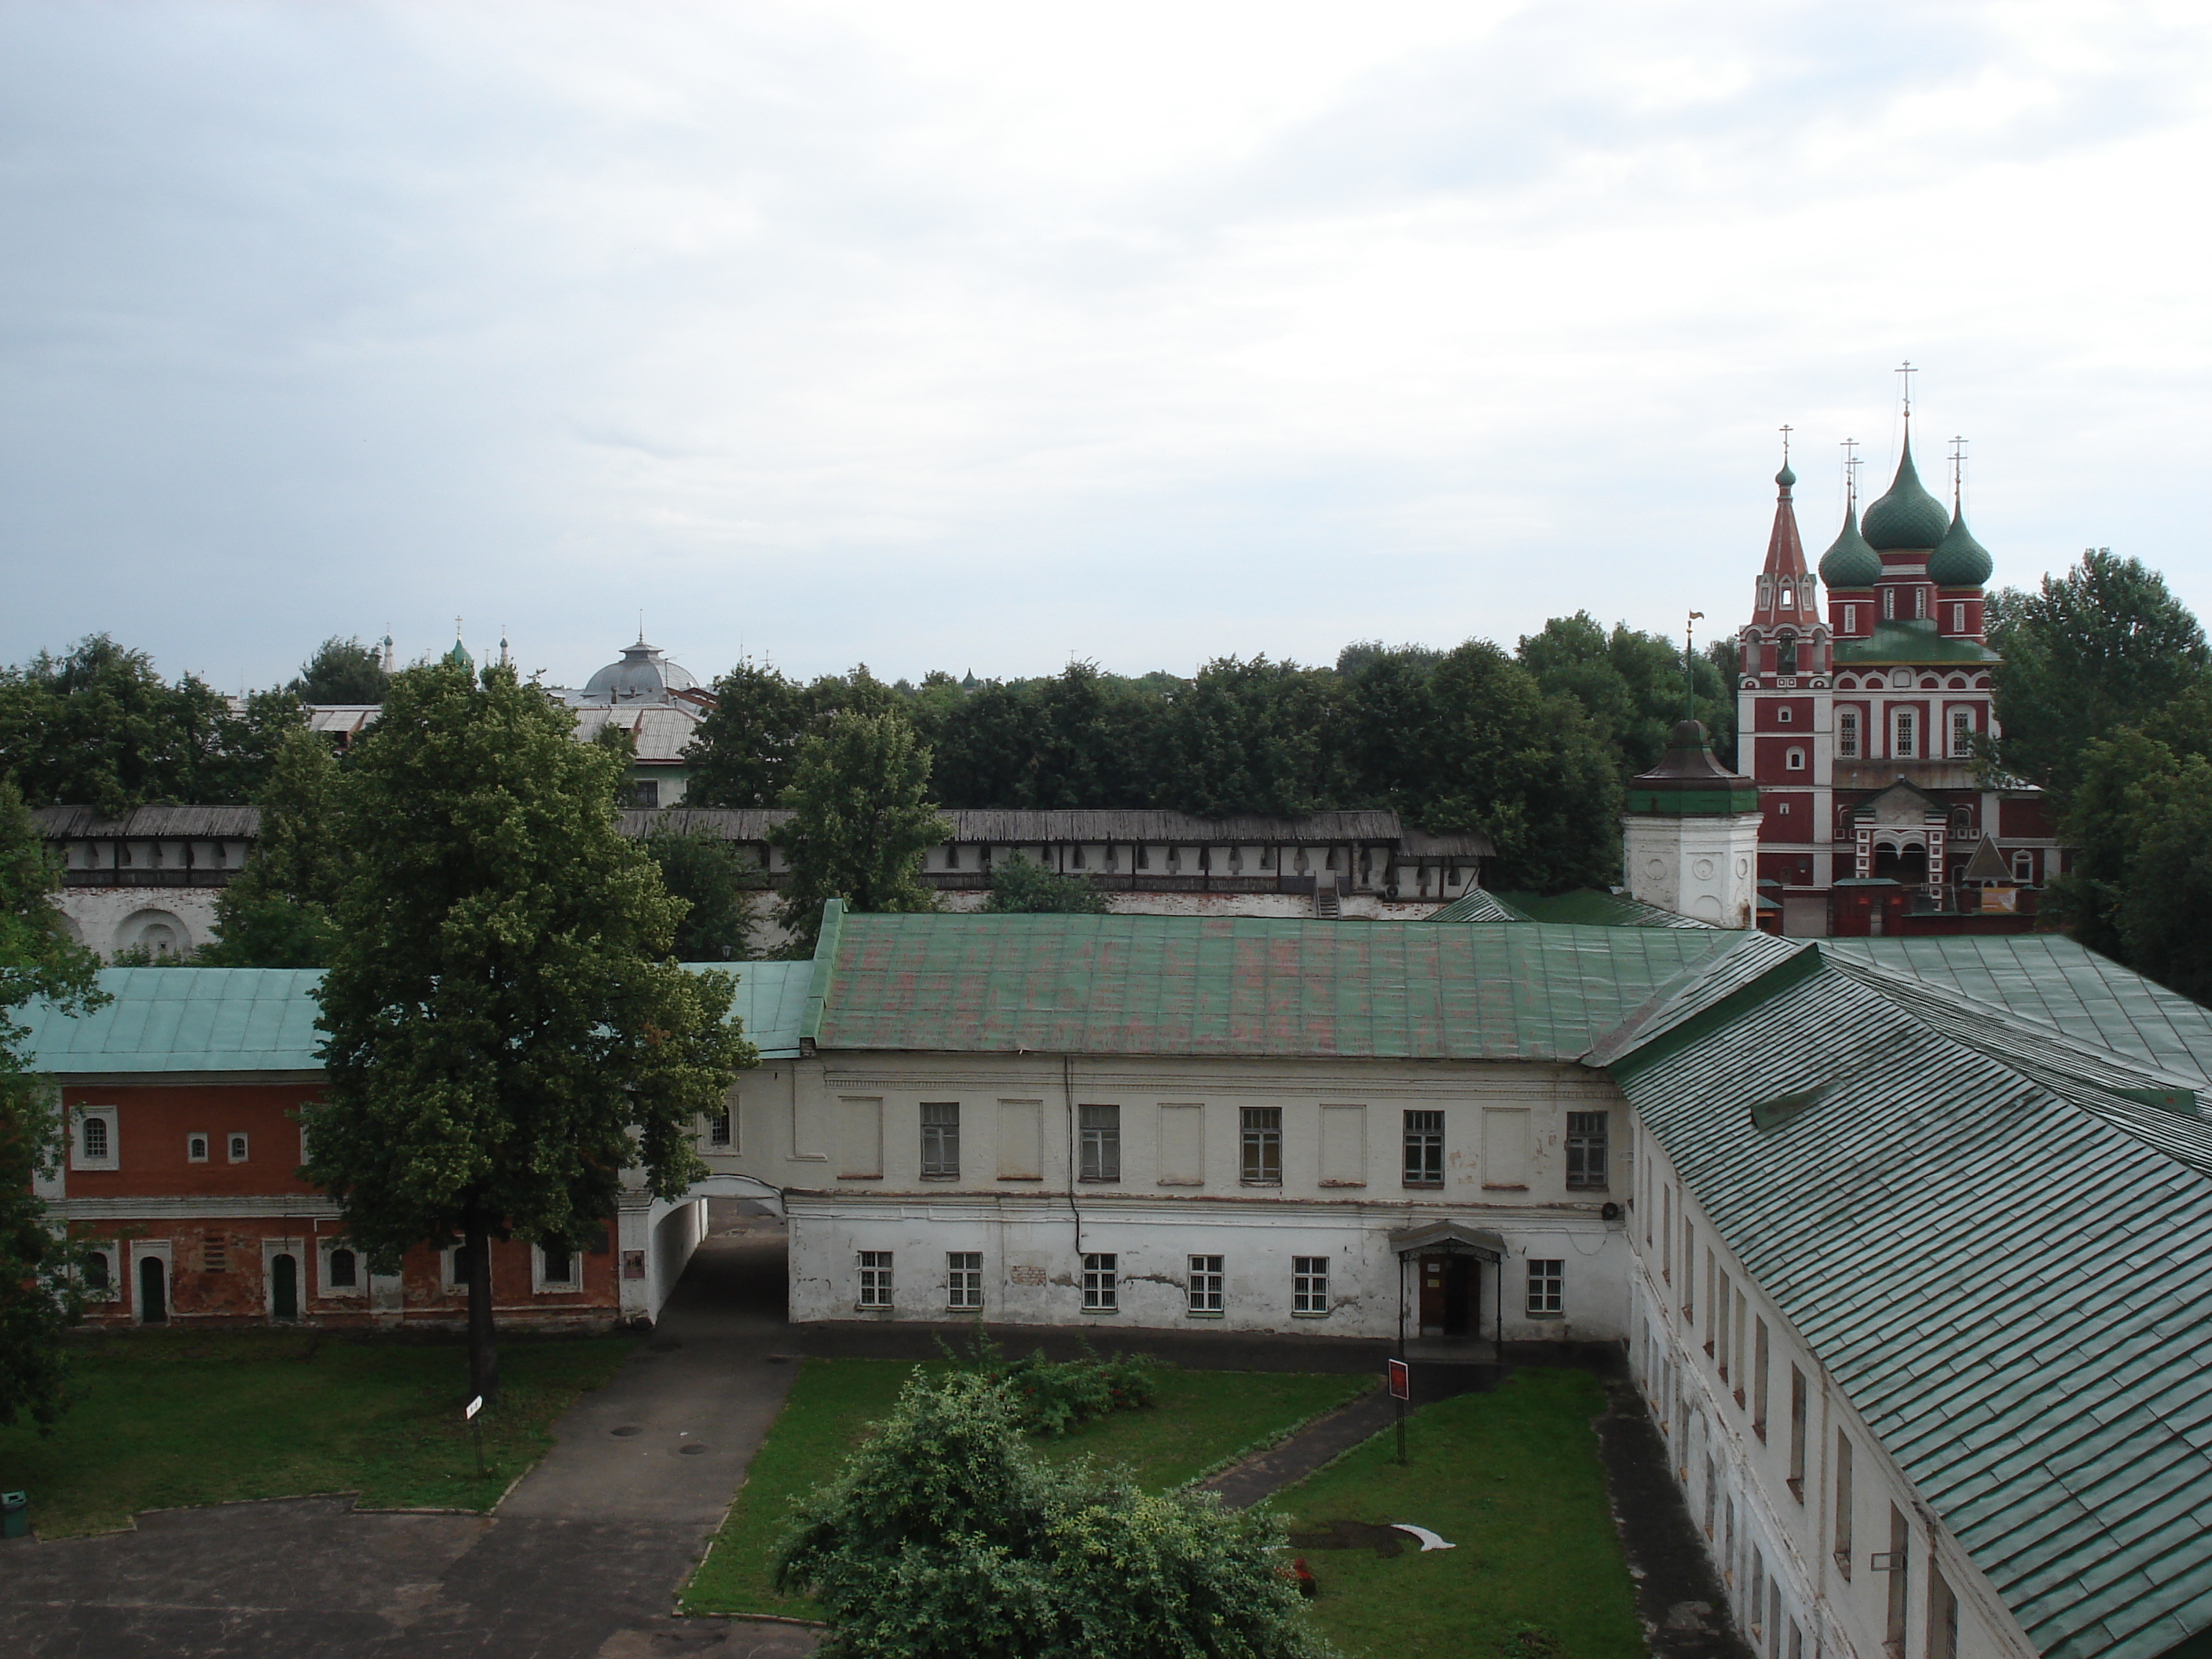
1448,1238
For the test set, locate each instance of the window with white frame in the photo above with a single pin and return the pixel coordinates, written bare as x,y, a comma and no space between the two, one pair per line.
1962,733
963,1280
940,1140
1205,1289
456,1266
875,1279
234,1145
1903,734
95,1273
342,1269
1310,1284
719,1129
1888,603
1101,1130
1424,1149
1850,619
97,1141
195,1149
1794,760
1919,603
1957,619
1263,1146
1547,1287
1588,1133
1101,1283
2023,867
558,1269
1783,716
1847,734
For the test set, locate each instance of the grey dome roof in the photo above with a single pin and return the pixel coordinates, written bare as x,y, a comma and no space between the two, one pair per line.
643,675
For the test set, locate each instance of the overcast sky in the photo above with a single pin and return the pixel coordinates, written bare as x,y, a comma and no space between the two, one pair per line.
983,337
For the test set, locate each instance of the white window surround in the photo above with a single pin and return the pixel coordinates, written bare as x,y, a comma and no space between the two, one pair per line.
875,1288
542,1283
151,1249
236,1147
717,1131
324,1287
1308,1287
963,1280
95,1148
1796,760
453,1283
106,1250
195,1147
271,1250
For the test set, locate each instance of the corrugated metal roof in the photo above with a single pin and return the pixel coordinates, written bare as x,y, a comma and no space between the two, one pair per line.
659,732
1476,905
148,823
184,1019
2047,976
1590,907
1010,828
2007,1268
770,1001
1232,986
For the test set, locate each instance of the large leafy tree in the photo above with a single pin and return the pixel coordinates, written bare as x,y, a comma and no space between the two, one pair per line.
99,726
715,882
278,912
1252,736
2104,646
507,1033
1078,739
1017,886
1634,686
861,817
341,671
39,960
745,749
1527,770
946,1537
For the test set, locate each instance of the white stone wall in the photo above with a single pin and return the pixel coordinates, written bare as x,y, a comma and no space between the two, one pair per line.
106,920
1738,1480
1703,867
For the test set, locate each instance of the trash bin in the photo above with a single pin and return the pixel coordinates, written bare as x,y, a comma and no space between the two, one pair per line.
15,1515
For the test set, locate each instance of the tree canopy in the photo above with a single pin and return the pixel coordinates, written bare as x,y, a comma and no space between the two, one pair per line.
508,1031
341,671
276,912
860,818
39,960
714,882
99,726
946,1537
1018,885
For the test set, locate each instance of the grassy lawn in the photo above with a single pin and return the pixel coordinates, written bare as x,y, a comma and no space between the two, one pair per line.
1202,1417
1512,1478
166,1419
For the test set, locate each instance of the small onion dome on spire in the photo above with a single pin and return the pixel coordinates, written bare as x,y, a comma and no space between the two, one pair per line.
1851,562
1907,517
459,656
1959,559
1786,478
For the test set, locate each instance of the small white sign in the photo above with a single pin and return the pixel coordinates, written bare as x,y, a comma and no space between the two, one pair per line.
474,1407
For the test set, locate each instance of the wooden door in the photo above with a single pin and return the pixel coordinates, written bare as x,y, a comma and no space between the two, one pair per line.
284,1287
1432,1295
1461,1276
153,1292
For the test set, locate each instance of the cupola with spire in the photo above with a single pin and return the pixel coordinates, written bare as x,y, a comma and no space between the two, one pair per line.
1785,635
1959,559
1908,518
1850,562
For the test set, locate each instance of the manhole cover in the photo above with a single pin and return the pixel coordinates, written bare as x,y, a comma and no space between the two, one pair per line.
626,1431
695,1450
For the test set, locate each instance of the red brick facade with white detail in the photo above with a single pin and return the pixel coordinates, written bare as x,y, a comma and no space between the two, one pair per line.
1861,719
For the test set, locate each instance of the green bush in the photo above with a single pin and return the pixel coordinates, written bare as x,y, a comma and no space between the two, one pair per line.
946,1537
1051,1397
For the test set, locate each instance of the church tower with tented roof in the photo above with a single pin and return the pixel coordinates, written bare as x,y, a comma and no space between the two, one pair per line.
1860,720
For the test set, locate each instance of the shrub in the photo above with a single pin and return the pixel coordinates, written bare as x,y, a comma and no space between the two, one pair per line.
1052,1397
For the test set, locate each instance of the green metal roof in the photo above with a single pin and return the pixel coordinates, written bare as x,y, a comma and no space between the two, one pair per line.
1476,905
1850,562
2049,977
1588,906
1959,559
770,1002
2001,1254
184,1019
1908,516
1235,986
1910,639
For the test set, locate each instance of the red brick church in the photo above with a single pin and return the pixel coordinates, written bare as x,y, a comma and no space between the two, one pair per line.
1860,722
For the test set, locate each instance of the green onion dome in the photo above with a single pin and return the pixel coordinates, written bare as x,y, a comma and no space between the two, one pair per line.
1851,562
1959,559
1907,517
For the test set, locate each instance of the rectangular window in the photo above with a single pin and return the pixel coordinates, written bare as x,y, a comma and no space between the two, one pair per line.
1100,1285
1310,1284
1586,1149
940,1140
875,1279
1667,1235
1101,1142
1847,734
1844,1504
1796,1641
1689,1281
1757,1599
1888,603
558,1266
718,1127
95,1140
1850,619
1263,1146
1735,1345
1797,1414
1943,1616
1962,733
1424,1149
1957,619
1898,1600
1544,1287
645,797
1919,603
1758,1377
963,1279
1205,1284
1720,1324
237,1149
344,1271
1905,744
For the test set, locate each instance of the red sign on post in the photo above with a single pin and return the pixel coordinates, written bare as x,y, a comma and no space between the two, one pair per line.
1402,1379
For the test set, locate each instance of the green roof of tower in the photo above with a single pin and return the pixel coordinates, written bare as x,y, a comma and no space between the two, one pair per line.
1907,517
459,656
1850,562
1959,559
